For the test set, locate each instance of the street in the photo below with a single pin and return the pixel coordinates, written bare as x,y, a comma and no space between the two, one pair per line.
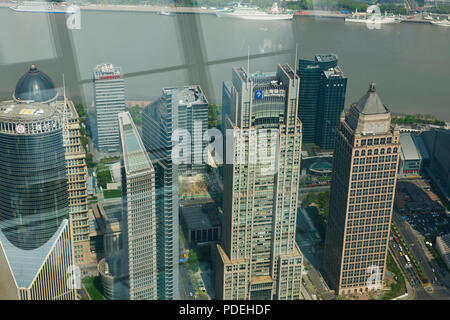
437,277
186,290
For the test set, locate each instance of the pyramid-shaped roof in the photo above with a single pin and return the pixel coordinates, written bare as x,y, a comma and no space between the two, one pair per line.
370,103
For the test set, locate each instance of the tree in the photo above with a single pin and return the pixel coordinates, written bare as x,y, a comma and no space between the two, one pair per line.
193,260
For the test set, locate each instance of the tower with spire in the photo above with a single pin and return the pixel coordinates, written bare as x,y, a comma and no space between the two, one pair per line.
362,195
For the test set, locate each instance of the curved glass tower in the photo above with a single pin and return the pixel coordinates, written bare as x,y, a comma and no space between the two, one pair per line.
36,247
33,183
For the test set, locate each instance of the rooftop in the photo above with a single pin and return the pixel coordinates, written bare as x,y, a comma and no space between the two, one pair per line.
334,73
11,111
370,103
135,157
200,216
326,57
34,86
409,150
26,264
107,71
445,242
187,95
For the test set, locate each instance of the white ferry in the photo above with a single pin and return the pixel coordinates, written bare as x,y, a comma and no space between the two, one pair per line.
442,23
43,7
166,13
254,13
371,17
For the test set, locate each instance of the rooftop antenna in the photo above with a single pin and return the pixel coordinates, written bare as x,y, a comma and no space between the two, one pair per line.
248,59
64,88
248,64
296,57
65,123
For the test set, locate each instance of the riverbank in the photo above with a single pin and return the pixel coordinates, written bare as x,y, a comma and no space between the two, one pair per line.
204,10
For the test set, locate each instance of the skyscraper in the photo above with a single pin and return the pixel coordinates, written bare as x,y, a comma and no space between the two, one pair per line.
109,100
139,216
330,105
362,195
258,257
159,120
36,254
192,110
321,99
76,182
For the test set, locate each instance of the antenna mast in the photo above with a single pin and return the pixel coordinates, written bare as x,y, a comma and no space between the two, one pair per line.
65,120
248,64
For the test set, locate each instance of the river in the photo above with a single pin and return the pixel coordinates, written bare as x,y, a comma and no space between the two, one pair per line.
409,62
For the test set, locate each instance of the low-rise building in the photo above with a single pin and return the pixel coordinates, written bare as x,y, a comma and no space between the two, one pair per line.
412,157
443,247
201,223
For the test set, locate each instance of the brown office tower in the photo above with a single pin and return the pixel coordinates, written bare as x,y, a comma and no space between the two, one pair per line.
77,185
362,195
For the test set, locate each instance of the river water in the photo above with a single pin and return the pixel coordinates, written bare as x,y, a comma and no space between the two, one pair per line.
409,62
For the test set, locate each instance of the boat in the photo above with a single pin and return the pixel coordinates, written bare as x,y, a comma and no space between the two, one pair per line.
43,7
166,13
442,23
254,13
371,17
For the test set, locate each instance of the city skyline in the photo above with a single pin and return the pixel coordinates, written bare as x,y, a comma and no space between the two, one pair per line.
282,192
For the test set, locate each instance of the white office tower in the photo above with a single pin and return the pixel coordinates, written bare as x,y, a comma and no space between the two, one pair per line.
109,100
258,257
139,217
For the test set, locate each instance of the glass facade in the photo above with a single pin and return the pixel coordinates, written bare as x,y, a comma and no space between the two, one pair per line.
321,99
33,187
159,119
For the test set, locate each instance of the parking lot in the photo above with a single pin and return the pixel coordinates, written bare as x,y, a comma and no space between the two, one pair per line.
433,224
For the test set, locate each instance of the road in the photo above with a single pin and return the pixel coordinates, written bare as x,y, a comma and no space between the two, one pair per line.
314,189
437,277
185,285
311,248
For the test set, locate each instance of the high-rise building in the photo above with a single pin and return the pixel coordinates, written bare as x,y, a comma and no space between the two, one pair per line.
330,105
109,100
139,216
36,257
437,143
159,120
192,109
321,99
77,183
258,257
362,192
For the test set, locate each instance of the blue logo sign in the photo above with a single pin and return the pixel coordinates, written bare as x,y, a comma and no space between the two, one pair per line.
258,94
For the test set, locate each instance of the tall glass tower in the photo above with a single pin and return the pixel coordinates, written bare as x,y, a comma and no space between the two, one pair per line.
159,120
258,257
35,238
322,97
